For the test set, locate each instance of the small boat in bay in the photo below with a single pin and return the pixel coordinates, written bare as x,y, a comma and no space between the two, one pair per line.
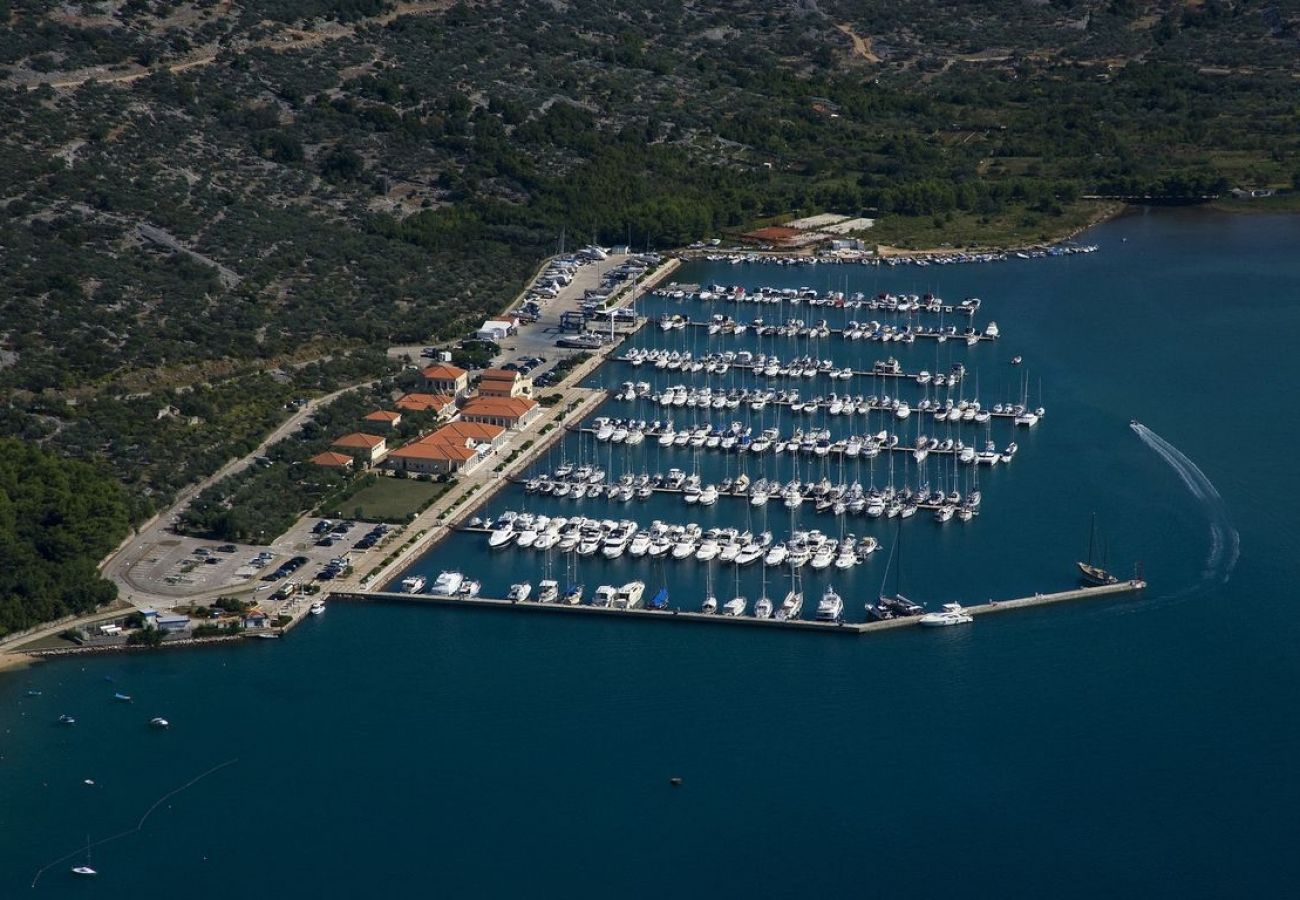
1093,575
951,614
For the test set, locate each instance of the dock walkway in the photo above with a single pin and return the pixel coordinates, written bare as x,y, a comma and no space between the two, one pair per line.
678,615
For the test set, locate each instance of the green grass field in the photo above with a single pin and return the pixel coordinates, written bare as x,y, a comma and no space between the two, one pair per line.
391,499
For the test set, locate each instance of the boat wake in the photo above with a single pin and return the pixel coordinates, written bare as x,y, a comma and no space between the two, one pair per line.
1225,542
138,825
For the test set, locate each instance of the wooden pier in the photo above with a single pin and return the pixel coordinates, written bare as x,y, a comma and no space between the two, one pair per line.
678,615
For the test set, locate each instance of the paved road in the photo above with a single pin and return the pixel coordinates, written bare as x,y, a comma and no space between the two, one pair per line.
118,567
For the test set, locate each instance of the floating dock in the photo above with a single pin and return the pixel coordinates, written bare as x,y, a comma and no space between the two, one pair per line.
677,615
648,360
729,327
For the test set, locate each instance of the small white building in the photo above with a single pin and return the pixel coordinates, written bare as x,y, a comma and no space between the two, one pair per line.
497,329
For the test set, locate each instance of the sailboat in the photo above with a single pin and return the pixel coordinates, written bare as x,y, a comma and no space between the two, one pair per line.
896,606
792,605
85,869
1089,574
710,604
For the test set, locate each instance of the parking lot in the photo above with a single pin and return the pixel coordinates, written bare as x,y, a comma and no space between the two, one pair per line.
177,569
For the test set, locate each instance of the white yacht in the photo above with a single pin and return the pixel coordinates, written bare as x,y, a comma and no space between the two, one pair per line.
640,544
629,595
824,556
502,535
951,614
831,607
519,592
547,590
616,542
776,555
413,584
447,584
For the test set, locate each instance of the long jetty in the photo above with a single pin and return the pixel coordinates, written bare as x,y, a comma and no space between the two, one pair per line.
679,615
650,360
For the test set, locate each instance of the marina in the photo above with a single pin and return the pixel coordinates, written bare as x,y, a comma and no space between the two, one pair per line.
751,458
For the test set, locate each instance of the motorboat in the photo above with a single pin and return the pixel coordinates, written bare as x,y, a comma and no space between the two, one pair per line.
447,584
763,608
629,595
502,535
951,614
548,590
412,584
734,607
469,588
317,607
604,596
659,600
831,606
519,592
159,722
710,605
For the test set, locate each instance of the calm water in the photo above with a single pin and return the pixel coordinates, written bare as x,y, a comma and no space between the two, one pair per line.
1135,747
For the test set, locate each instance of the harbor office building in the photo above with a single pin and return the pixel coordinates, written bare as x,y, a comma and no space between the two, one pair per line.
455,447
444,378
507,412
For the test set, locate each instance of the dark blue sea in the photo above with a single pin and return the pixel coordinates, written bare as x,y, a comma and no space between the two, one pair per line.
1136,746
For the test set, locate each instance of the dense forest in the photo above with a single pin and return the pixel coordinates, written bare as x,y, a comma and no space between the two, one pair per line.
211,208
58,519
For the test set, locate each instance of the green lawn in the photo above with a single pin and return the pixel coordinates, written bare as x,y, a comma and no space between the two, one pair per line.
391,499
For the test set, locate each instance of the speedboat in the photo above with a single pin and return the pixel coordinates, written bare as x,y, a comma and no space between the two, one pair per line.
159,722
447,584
831,607
629,595
519,592
502,536
952,614
547,590
413,584
66,719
